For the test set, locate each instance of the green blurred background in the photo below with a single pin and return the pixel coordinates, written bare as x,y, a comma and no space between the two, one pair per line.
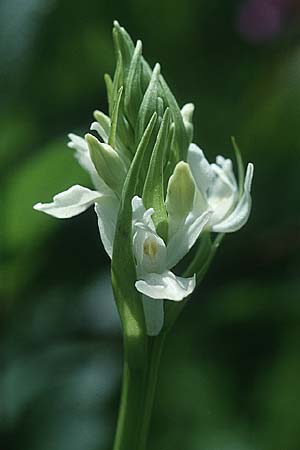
230,374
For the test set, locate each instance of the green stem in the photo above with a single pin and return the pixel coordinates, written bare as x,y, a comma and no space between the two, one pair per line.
137,397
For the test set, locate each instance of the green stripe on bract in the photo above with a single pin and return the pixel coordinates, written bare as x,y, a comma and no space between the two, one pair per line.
114,119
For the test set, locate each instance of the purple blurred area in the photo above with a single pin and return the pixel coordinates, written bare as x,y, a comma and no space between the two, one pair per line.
262,20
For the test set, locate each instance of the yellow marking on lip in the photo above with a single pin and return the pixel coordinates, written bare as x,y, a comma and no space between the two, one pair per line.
150,247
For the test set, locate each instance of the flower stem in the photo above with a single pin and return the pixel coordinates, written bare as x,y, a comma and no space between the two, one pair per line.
137,397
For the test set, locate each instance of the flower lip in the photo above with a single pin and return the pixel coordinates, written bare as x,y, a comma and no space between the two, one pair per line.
150,247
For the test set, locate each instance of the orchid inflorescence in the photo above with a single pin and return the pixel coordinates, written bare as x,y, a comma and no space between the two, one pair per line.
155,194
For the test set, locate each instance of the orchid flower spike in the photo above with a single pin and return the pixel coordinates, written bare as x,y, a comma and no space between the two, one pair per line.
155,194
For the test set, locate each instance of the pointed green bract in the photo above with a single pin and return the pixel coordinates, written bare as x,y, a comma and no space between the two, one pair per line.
123,265
124,45
133,93
118,81
114,119
180,142
109,89
240,166
149,103
153,193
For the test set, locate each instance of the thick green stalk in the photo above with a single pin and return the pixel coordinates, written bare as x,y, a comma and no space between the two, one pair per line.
137,397
155,351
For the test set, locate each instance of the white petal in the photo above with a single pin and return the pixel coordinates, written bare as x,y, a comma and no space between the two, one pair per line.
226,166
82,154
187,112
200,167
223,192
95,126
149,250
107,212
241,213
69,203
182,241
154,315
166,286
140,214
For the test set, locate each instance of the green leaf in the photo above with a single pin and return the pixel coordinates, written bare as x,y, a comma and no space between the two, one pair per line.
153,193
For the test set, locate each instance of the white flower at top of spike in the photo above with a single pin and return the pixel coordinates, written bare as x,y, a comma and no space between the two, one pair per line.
217,189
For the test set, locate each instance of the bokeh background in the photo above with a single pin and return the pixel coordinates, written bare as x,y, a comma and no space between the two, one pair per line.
230,374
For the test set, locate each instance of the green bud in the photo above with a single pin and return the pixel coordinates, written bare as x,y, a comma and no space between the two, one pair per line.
153,193
107,162
180,192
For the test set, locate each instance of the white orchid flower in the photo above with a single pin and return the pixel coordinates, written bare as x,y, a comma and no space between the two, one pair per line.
218,191
154,258
77,199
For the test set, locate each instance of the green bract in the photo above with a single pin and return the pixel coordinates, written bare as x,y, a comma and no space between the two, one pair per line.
156,196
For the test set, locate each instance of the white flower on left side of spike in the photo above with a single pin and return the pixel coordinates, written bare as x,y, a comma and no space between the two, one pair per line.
78,199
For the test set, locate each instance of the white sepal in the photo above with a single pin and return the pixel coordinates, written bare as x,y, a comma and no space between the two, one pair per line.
185,237
69,203
241,212
200,167
107,212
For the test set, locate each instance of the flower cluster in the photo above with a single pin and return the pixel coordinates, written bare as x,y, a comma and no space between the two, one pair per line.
152,185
